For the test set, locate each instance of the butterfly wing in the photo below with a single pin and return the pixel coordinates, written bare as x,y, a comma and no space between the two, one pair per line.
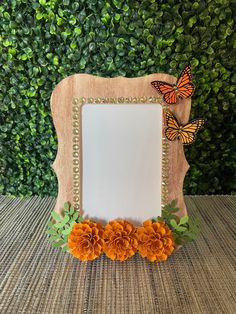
162,87
188,132
167,90
185,133
186,91
185,76
170,98
185,87
172,130
184,84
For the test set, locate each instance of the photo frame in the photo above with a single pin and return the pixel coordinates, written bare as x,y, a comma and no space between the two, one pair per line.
67,99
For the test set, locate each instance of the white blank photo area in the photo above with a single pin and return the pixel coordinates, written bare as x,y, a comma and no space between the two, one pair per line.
122,158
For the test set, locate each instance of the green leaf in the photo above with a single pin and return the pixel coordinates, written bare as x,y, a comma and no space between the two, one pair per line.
50,223
58,243
170,216
51,231
63,222
117,16
77,30
191,236
39,16
173,203
75,216
183,220
55,60
56,216
180,228
66,206
72,210
188,232
80,219
72,224
54,238
66,231
7,43
178,241
173,209
65,248
154,219
170,208
173,223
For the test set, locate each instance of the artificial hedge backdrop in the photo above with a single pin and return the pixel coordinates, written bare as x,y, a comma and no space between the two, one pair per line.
43,41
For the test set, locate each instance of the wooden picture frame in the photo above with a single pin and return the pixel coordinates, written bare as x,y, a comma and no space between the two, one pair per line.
67,99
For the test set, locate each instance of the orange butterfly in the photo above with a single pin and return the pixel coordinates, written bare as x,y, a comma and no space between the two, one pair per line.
186,133
184,88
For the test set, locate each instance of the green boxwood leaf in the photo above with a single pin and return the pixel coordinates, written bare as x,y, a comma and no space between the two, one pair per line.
135,38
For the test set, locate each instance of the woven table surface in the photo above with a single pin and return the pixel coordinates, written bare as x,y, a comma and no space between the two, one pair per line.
36,278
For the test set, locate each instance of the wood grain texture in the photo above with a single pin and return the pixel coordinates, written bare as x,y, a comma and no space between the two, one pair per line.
85,85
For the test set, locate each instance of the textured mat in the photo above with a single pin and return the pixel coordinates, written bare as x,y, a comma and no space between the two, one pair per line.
36,278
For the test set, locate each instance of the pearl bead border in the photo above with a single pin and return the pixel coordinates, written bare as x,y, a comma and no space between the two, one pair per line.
77,142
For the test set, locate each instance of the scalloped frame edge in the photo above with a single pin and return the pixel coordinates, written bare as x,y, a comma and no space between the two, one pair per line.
89,86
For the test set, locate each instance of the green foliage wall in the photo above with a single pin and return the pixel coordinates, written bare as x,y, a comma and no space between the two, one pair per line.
43,41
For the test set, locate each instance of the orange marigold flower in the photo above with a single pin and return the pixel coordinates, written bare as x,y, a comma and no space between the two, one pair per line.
120,240
155,240
85,240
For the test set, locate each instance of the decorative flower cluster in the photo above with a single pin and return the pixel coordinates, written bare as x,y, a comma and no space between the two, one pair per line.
120,240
